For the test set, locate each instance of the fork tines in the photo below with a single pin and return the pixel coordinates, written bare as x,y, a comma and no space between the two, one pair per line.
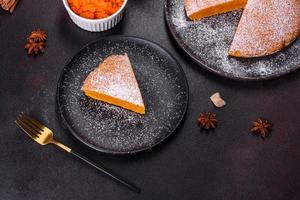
29,125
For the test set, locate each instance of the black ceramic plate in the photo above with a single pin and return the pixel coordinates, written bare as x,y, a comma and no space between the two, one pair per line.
111,129
207,42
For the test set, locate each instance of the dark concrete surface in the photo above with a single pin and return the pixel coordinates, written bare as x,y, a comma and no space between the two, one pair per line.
229,163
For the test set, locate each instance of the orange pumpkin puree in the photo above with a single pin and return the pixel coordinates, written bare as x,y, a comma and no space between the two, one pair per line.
95,9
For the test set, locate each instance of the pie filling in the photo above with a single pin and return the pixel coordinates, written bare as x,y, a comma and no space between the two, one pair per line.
218,9
116,101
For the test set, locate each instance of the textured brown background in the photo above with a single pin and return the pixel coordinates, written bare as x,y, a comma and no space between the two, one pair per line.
229,163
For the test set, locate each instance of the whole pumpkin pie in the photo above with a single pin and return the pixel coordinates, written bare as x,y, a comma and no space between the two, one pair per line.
114,82
266,26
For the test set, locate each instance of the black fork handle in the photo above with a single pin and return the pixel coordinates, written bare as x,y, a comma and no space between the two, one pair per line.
107,172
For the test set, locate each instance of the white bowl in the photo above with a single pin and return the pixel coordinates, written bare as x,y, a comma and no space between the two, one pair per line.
96,25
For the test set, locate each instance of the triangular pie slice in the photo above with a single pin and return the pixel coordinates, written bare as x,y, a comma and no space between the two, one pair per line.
114,82
266,26
198,9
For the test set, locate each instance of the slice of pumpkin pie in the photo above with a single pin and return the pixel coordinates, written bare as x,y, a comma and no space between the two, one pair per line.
114,82
198,9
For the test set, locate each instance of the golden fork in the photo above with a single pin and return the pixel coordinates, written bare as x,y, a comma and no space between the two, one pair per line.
43,135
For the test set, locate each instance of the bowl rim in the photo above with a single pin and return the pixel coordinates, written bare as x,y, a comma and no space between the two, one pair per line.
66,4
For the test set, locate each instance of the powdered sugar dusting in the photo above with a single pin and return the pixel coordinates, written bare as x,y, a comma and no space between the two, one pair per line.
111,128
266,27
115,77
208,42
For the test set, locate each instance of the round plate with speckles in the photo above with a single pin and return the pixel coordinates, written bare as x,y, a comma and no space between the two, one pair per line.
207,42
111,129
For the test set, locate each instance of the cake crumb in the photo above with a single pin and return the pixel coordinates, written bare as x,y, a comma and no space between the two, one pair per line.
217,100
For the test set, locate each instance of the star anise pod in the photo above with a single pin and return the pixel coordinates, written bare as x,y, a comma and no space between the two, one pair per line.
261,126
38,36
208,120
35,47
